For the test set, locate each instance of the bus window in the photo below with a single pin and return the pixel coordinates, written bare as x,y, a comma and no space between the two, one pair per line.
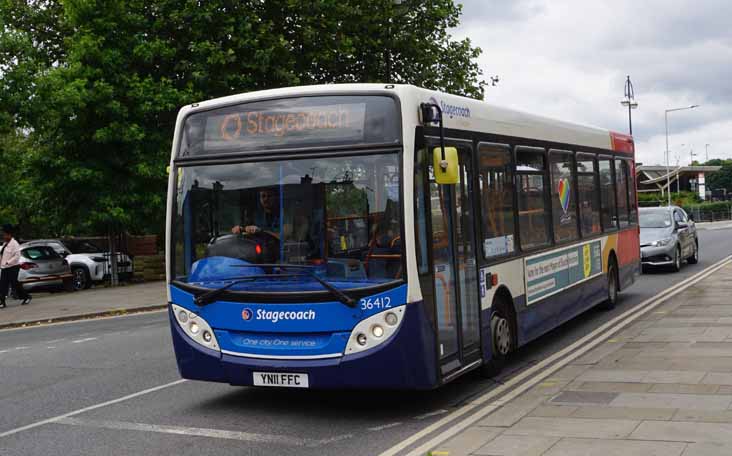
564,205
533,224
589,204
607,194
621,185
633,209
421,211
495,181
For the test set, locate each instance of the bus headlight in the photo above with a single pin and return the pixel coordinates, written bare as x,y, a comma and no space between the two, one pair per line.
375,330
195,327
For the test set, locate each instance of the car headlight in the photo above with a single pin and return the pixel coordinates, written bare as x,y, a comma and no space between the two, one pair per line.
661,242
195,327
375,330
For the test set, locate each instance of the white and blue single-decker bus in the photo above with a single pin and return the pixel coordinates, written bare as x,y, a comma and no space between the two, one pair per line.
385,236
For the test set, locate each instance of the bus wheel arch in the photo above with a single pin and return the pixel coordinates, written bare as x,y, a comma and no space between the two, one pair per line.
503,332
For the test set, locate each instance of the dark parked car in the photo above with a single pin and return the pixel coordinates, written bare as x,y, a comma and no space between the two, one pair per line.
667,237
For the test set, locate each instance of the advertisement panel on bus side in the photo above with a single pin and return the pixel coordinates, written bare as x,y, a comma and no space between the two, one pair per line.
552,272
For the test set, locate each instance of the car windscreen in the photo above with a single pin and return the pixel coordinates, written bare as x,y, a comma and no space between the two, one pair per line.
655,219
39,253
82,247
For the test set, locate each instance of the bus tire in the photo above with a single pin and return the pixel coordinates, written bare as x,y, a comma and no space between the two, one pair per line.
502,340
613,285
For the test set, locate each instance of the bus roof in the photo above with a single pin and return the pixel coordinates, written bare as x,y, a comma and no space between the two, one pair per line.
459,113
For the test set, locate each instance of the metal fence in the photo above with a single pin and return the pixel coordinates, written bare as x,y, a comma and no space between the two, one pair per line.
704,215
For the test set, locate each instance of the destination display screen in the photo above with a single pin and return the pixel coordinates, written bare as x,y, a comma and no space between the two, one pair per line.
292,122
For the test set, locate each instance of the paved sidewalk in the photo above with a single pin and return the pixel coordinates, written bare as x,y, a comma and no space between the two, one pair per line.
660,387
722,225
48,307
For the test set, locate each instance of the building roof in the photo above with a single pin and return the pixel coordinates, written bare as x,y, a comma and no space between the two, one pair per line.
655,174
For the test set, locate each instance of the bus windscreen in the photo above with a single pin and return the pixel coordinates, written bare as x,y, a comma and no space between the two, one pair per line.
290,123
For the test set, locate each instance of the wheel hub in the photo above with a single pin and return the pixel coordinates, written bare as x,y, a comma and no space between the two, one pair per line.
501,335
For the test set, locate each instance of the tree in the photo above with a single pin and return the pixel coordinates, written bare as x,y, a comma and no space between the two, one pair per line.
722,178
91,88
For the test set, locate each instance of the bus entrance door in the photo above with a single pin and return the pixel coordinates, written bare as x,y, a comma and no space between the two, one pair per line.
454,272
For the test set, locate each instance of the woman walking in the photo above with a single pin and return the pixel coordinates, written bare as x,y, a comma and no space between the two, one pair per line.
10,267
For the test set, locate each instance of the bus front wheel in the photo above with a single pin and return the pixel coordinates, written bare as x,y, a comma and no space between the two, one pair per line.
502,338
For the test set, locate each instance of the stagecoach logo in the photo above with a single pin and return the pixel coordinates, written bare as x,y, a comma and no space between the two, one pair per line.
564,192
451,110
275,316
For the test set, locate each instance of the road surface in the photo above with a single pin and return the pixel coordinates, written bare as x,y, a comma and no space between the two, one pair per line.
56,383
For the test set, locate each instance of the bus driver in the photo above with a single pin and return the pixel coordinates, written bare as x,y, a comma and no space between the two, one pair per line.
267,219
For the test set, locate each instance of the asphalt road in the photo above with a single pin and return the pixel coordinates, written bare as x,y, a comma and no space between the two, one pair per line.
51,371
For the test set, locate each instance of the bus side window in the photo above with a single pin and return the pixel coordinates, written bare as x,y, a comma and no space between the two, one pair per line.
533,215
564,205
495,182
589,202
621,182
607,194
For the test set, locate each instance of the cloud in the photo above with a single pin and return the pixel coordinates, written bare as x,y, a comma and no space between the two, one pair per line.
569,59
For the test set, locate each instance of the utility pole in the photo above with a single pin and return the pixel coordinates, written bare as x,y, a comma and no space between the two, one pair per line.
706,146
630,102
668,171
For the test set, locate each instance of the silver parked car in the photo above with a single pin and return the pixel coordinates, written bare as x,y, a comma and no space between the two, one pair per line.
667,237
41,266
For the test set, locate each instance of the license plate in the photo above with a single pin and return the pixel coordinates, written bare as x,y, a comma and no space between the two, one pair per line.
282,379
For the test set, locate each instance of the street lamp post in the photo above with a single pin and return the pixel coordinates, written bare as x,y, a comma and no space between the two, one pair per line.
630,102
668,172
397,4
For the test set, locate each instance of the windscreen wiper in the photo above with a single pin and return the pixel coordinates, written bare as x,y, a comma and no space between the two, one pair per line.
210,296
340,295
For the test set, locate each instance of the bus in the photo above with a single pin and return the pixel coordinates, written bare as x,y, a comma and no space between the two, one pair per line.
385,236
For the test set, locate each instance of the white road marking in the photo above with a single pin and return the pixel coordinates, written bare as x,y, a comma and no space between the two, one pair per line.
385,426
51,347
21,347
90,408
4,351
79,341
431,414
199,432
537,373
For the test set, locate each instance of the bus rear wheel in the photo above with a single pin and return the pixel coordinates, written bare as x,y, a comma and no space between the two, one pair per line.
612,285
502,338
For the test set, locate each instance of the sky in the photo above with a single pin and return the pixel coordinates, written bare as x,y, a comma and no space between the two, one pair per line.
569,59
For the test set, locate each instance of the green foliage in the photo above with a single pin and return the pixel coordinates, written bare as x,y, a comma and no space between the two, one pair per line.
722,178
89,89
685,198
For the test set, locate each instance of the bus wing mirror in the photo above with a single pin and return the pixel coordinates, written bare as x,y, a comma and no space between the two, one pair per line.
445,165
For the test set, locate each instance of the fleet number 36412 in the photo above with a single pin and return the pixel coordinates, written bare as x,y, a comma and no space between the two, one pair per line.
375,303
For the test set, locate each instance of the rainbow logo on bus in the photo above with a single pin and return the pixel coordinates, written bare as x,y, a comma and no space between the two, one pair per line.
563,190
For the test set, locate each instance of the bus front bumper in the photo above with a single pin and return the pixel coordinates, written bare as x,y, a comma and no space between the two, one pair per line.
406,361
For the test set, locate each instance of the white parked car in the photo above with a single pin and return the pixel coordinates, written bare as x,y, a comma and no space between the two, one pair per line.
88,262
